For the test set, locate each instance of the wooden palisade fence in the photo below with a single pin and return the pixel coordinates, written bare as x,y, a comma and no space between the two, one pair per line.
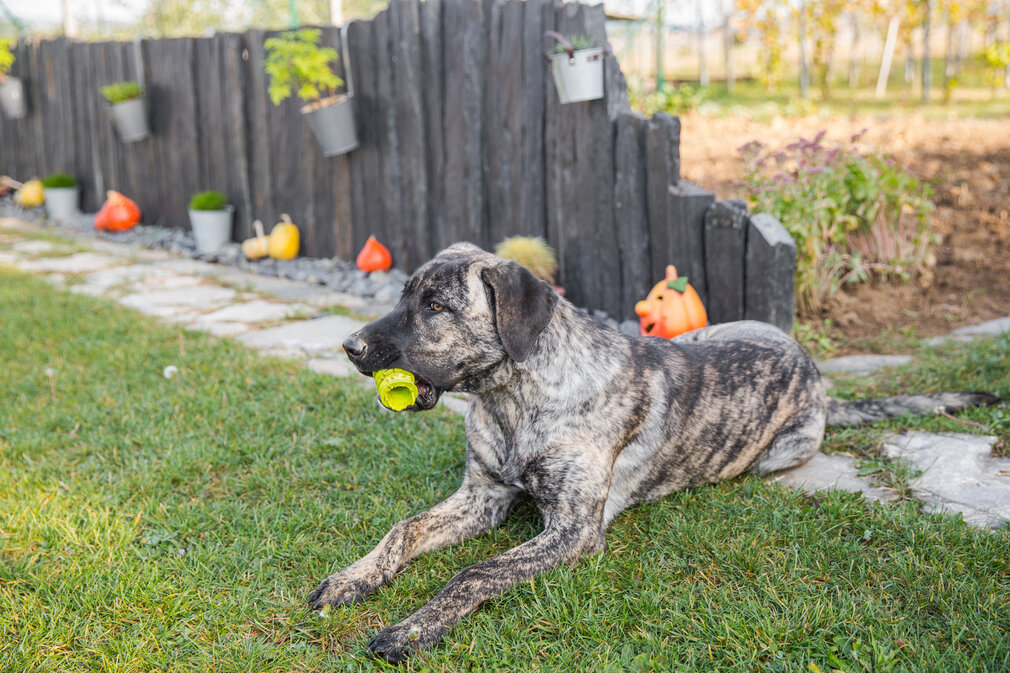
461,137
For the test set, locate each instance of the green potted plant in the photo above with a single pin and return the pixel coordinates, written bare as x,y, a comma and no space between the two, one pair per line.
211,216
577,64
60,192
126,100
12,90
297,65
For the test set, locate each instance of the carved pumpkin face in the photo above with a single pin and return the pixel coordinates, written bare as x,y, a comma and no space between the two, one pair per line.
672,307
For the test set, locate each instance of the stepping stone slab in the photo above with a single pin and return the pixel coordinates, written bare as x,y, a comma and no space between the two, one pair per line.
334,367
169,302
120,275
255,311
8,258
219,329
959,474
824,472
33,247
82,262
990,328
312,336
862,364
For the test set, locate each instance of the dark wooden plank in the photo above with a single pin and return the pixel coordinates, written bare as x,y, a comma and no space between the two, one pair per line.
725,250
234,85
682,242
662,170
258,144
630,211
535,77
505,123
770,272
388,229
366,185
434,77
455,122
410,126
88,117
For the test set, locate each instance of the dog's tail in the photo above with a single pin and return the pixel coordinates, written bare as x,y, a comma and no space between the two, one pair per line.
857,412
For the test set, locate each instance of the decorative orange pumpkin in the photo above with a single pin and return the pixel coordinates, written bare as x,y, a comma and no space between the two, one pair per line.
672,307
374,256
118,213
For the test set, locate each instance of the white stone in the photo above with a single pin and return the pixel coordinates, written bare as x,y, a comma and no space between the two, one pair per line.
823,472
120,275
862,364
168,302
990,328
311,336
256,311
959,474
165,281
219,329
8,258
33,247
333,366
82,262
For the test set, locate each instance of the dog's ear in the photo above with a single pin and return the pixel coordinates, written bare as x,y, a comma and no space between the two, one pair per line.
522,305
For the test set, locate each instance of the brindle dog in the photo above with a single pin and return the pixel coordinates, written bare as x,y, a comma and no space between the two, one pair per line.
583,419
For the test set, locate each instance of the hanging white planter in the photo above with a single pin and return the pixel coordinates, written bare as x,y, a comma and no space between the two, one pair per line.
131,120
332,122
12,98
578,73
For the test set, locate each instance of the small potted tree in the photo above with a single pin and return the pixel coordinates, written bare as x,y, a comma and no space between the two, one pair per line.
12,90
296,64
126,100
578,67
61,196
211,215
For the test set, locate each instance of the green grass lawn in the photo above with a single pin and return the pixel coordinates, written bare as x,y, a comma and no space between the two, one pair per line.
178,524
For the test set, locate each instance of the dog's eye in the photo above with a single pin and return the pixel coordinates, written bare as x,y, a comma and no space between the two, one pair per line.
435,306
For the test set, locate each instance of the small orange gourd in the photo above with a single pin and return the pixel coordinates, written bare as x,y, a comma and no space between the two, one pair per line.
118,213
374,256
672,307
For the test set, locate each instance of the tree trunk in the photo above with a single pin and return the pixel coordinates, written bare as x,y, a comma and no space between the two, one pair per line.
854,53
728,47
702,62
927,70
804,71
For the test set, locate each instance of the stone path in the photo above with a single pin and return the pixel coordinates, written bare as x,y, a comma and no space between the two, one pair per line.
295,319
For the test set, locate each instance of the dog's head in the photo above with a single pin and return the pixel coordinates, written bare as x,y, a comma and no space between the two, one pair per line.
461,316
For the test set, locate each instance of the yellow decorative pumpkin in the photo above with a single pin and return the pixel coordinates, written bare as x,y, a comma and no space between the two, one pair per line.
31,194
284,239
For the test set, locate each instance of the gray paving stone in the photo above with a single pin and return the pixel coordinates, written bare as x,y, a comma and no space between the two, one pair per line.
941,340
174,301
8,258
255,311
823,472
33,247
959,474
82,262
310,336
121,275
218,329
862,364
990,328
338,366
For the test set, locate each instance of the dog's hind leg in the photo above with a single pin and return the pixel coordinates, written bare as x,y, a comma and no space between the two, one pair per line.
473,509
795,444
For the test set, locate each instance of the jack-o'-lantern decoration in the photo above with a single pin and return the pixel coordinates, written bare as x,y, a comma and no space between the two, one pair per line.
672,307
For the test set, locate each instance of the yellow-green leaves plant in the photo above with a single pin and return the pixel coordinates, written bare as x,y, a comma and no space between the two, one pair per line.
297,65
6,55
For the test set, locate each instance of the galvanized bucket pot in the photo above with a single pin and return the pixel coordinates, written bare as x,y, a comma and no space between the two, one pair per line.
579,75
131,120
211,228
12,98
333,126
61,202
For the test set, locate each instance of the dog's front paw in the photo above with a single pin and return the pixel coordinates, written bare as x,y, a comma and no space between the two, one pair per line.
399,641
343,588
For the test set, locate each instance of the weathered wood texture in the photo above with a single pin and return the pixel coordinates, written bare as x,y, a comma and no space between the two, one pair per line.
461,137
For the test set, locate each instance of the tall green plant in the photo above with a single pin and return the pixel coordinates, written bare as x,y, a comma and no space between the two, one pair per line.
296,64
6,55
851,215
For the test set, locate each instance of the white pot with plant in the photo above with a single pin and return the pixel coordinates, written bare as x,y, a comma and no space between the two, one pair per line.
61,196
12,89
211,218
577,64
296,64
126,100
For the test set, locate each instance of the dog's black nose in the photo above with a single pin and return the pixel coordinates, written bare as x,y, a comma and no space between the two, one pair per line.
355,347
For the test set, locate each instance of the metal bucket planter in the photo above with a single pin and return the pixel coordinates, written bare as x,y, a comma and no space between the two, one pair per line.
333,125
61,202
131,120
211,228
12,98
579,75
